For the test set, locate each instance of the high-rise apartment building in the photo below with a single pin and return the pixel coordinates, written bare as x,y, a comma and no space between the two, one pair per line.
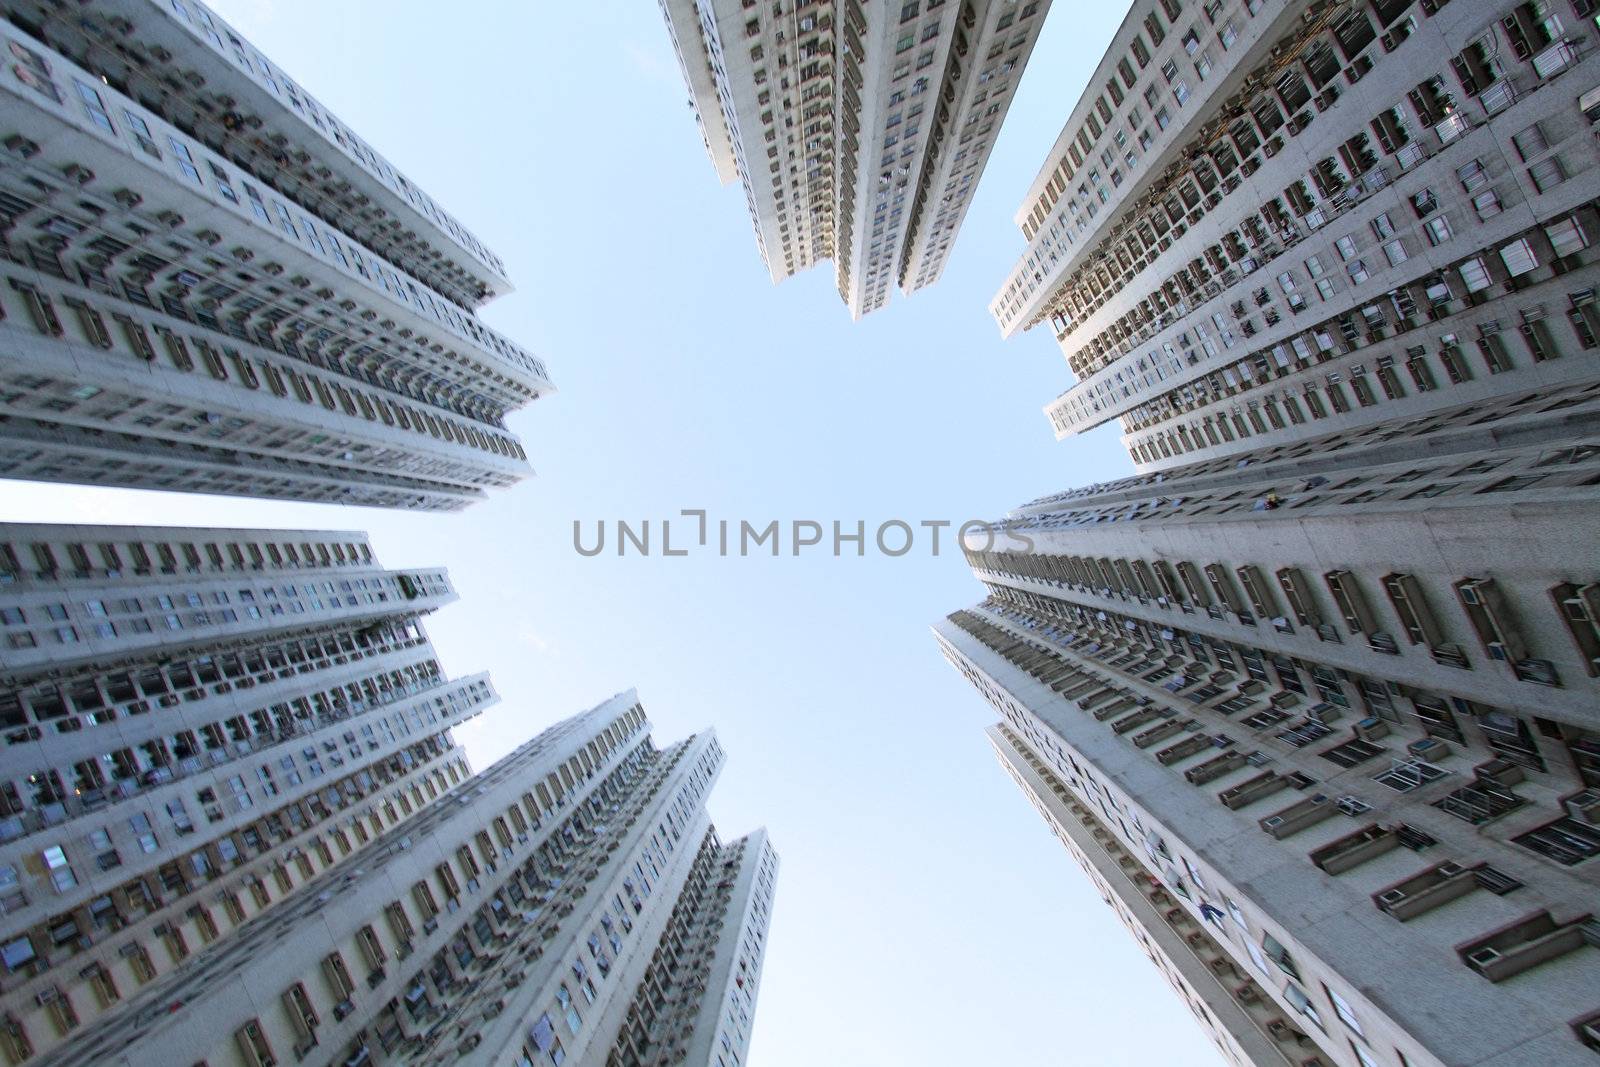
212,284
859,131
1316,218
234,829
1311,696
196,723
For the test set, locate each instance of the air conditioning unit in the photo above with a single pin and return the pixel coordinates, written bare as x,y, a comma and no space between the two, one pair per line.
1372,728
1584,806
1430,748
1353,806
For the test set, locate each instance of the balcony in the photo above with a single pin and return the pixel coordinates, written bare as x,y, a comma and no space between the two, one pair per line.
1298,816
1525,944
1215,768
1115,708
1452,127
87,801
1423,892
1183,749
1555,59
1160,732
1499,96
1097,697
1134,721
1352,850
1258,788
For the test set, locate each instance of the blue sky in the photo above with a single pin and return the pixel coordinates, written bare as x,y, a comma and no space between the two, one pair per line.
925,916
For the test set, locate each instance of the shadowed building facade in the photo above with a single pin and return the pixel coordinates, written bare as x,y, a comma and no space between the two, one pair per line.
858,131
211,284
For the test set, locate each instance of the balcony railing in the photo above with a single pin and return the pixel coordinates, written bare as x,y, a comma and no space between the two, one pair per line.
1453,126
1555,59
44,816
1499,96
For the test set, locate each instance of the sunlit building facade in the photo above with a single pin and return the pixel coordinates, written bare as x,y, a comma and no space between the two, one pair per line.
212,284
858,131
1311,696
1315,218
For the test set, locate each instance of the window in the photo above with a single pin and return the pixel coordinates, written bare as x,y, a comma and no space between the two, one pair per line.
17,953
1475,275
1472,176
1530,142
93,105
1567,841
185,160
1519,257
257,205
1280,955
252,1040
338,976
1437,229
1257,958
1302,1003
371,947
1547,174
55,862
1566,237
1342,1009
564,999
1352,752
223,185
301,1011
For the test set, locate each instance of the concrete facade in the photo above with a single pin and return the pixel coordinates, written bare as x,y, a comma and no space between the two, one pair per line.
235,829
859,131
213,285
1337,899
565,905
1353,217
1312,696
197,722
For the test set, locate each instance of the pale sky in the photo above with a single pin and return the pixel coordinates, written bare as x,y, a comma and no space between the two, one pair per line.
925,916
